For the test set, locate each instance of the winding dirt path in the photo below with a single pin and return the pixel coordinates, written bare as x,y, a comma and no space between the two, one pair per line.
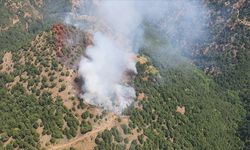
111,121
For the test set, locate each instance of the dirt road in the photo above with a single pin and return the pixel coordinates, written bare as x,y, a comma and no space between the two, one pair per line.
111,121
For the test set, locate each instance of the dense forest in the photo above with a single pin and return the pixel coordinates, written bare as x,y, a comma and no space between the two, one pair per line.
228,57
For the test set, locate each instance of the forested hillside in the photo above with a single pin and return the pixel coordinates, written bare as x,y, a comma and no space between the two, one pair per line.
22,20
193,108
226,56
194,99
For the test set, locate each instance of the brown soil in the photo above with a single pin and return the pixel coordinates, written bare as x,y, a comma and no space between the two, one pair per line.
15,20
44,139
245,22
141,96
133,136
145,78
8,142
27,14
22,60
180,109
7,65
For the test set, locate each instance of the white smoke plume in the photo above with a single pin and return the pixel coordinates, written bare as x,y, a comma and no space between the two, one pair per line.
118,40
103,72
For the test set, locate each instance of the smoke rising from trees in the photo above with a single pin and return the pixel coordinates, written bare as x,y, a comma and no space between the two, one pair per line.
120,34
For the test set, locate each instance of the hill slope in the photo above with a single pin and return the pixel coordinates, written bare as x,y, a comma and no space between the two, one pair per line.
201,102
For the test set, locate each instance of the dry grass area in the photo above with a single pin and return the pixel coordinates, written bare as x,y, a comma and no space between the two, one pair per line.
142,60
150,69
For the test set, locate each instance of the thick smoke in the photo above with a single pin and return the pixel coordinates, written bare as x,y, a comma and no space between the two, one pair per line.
103,73
118,36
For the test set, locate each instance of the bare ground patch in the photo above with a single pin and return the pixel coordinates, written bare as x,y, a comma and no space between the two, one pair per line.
180,109
7,65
